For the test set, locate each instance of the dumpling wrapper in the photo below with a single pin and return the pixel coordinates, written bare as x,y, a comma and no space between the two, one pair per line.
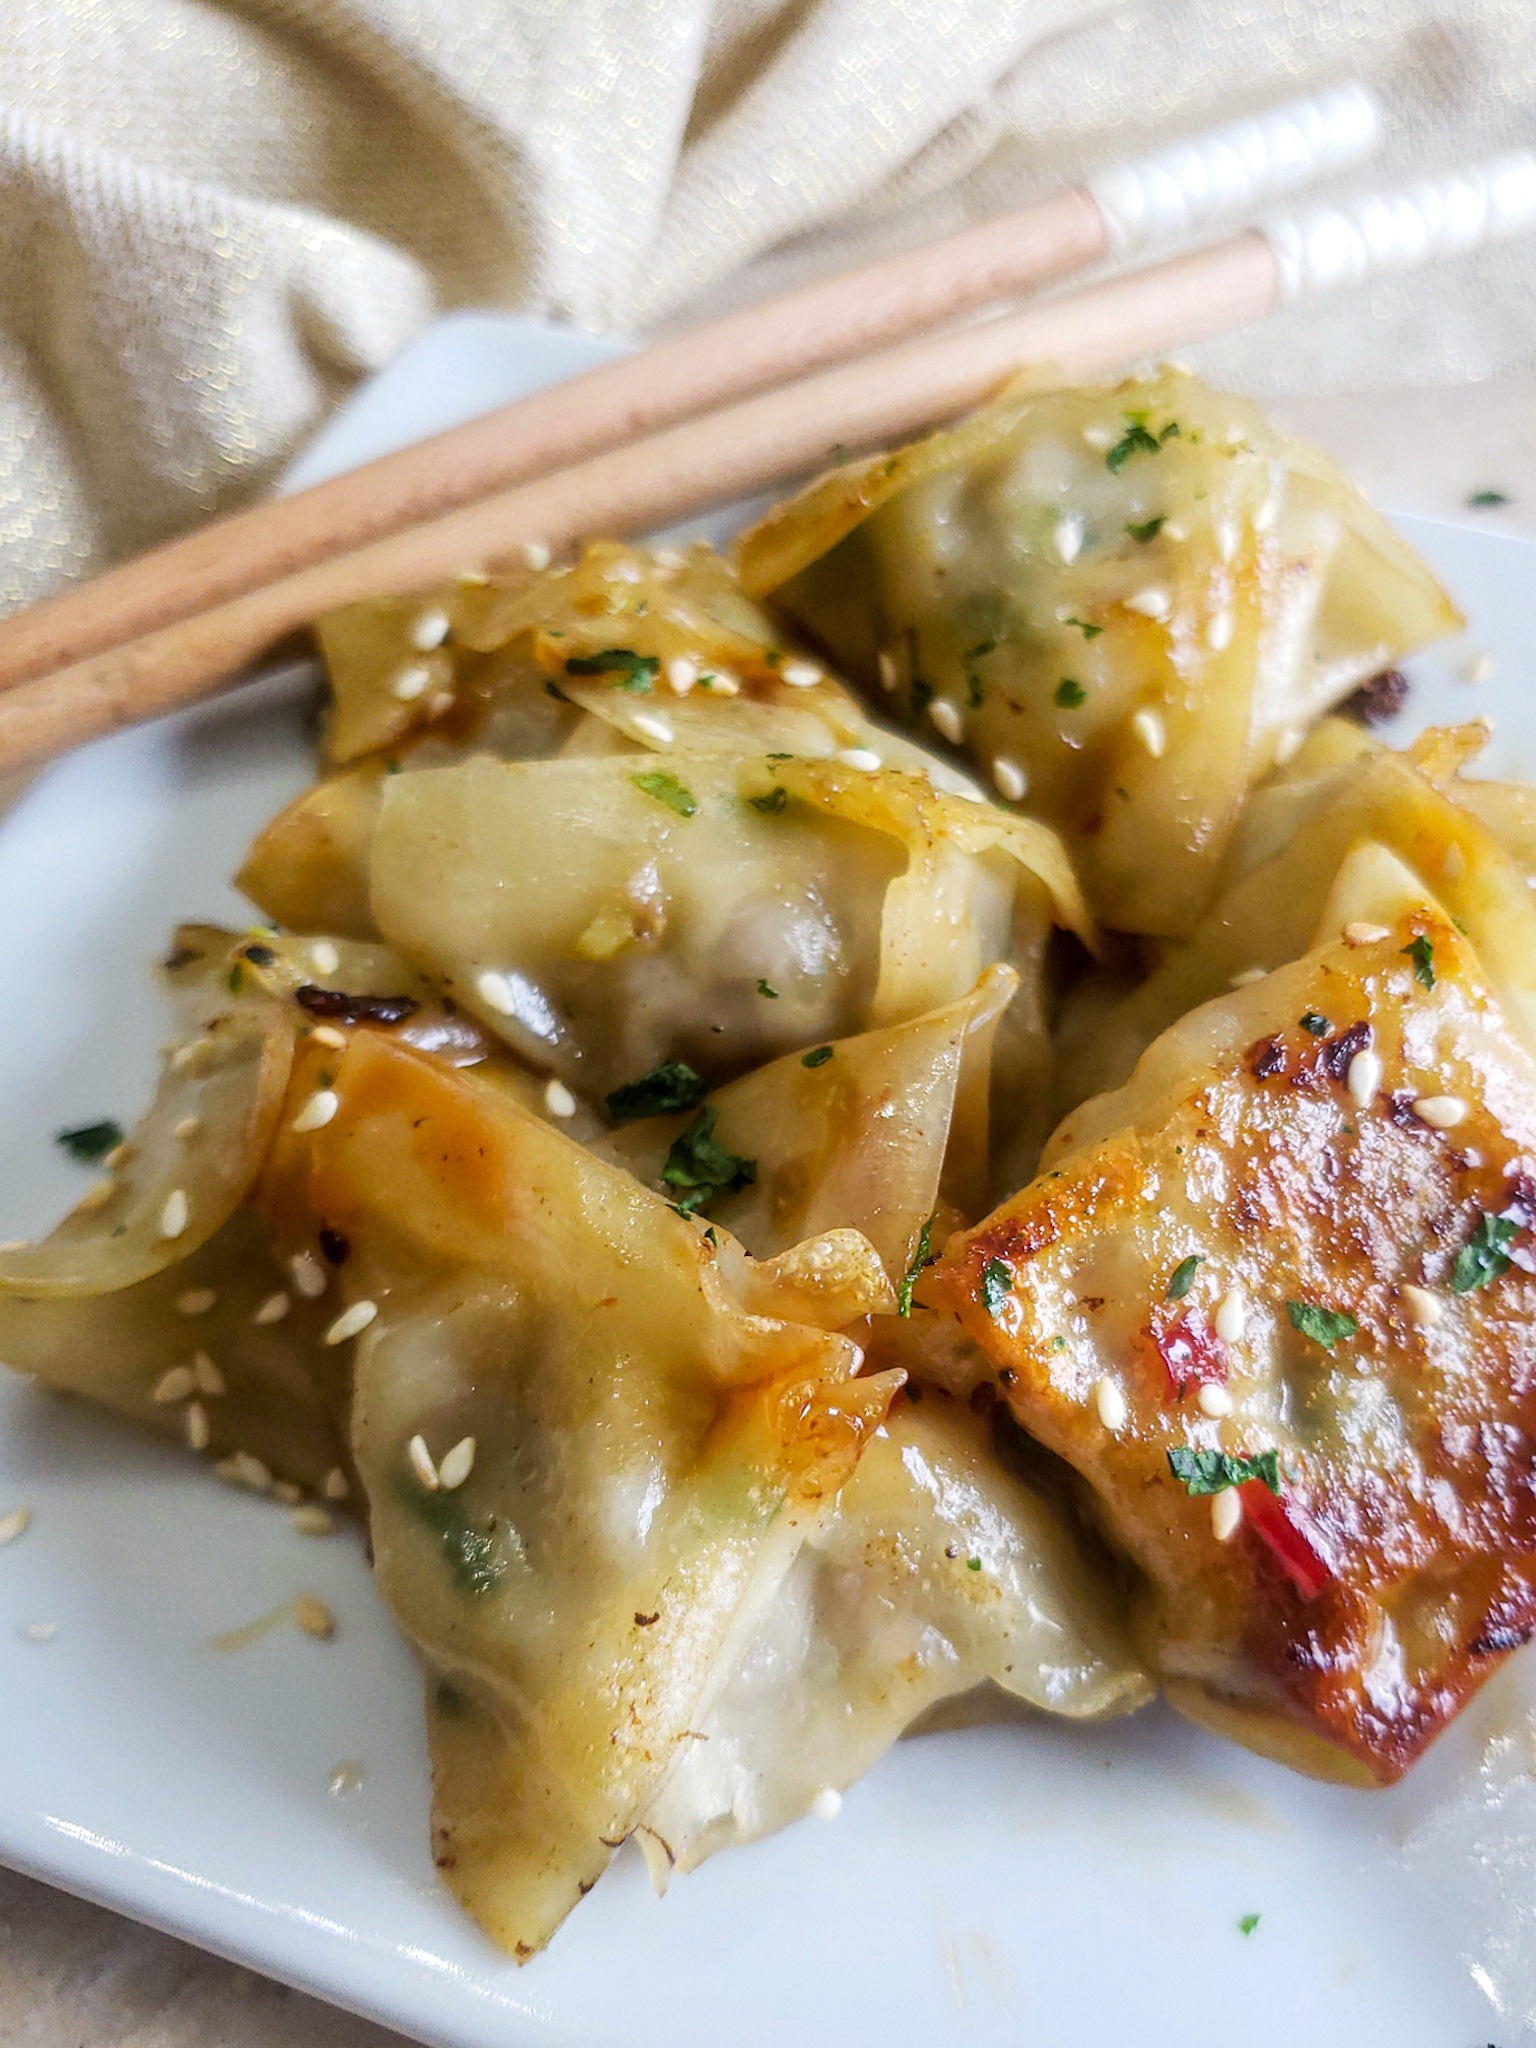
604,916
937,1571
1362,1289
656,1424
1133,598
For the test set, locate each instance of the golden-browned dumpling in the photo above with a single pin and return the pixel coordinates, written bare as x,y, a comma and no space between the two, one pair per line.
593,1435
1125,604
1274,1299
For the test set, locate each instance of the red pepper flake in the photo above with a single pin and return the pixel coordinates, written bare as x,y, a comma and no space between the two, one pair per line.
1192,1354
1278,1522
1266,1056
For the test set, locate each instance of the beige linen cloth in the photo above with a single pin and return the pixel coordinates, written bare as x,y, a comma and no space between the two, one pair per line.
217,216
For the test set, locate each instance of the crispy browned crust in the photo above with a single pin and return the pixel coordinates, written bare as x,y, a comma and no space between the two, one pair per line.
1410,1451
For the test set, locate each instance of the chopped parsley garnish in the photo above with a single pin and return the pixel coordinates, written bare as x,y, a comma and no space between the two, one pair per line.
704,1168
973,1564
1137,440
1248,1923
1325,1326
667,790
1204,1472
1315,1024
996,1286
1485,1255
922,1255
474,1557
1088,632
766,988
1148,529
1484,501
662,1092
817,1057
973,690
90,1142
771,802
1422,954
1183,1277
978,652
634,672
1070,693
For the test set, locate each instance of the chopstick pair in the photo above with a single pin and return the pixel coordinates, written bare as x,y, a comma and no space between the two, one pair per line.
167,628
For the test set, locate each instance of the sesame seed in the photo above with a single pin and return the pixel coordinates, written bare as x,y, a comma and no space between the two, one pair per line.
861,758
1214,1400
188,1127
430,629
719,682
411,682
189,1054
176,1213
457,1464
328,1035
474,578
1219,630
179,1384
309,1276
886,664
1246,977
285,1492
654,726
495,991
948,718
323,957
352,1322
625,572
97,1197
1111,1404
334,1486
1226,1514
801,675
38,1631
1234,435
210,1380
1152,604
1480,669
195,1421
828,1803
314,1617
1231,1317
1099,438
1264,515
1149,728
558,1099
1068,538
1441,1112
318,1111
311,1520
535,554
421,1463
1227,538
1423,1308
1358,933
196,1301
14,1524
682,674
1363,1078
272,1310
1010,778
669,558
1175,530
241,1469
120,1156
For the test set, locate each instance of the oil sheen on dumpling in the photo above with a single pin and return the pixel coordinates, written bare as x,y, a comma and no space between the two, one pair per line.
1124,604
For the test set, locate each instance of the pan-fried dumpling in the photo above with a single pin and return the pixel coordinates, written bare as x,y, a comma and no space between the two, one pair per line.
1274,1299
1125,603
938,1570
606,917
593,1436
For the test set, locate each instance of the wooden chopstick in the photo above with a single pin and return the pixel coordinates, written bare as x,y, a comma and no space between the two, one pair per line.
647,483
788,337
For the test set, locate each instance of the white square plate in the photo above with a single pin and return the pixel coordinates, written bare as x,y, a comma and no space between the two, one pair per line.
1001,1885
